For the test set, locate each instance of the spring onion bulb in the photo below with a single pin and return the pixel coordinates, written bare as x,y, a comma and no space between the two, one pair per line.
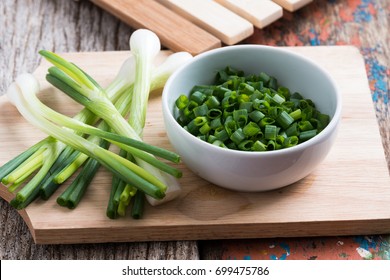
144,45
161,73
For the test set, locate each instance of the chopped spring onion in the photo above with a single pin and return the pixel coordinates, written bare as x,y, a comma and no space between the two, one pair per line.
250,113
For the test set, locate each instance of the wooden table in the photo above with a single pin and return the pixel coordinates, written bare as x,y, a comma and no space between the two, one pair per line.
66,26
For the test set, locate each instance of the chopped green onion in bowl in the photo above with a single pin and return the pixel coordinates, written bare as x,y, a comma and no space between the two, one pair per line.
248,113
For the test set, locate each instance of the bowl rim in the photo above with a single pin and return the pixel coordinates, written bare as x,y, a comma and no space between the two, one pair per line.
333,124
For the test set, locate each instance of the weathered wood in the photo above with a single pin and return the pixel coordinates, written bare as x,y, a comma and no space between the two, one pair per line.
62,26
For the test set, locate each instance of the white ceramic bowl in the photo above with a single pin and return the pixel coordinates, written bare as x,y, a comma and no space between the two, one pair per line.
253,171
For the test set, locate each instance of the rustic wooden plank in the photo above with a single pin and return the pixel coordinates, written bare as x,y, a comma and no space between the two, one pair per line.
68,26
174,31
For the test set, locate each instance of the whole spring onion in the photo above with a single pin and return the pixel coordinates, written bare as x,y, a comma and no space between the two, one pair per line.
249,113
66,157
144,45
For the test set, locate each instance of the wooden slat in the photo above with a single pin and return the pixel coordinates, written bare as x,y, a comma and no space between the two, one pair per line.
259,12
292,5
175,32
214,18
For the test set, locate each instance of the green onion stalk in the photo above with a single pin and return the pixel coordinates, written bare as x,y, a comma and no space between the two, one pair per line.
145,45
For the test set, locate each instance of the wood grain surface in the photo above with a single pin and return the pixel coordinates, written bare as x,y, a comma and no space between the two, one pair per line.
62,26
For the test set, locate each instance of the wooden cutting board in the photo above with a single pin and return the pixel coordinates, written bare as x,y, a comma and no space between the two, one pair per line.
348,194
